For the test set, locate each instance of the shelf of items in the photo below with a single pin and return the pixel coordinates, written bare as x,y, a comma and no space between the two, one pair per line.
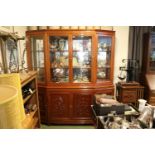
29,96
30,99
76,65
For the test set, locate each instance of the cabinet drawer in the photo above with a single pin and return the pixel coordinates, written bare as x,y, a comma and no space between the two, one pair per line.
152,101
129,96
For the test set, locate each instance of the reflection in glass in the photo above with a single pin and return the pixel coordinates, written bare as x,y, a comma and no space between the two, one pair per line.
1,64
82,46
12,55
152,55
37,49
103,58
59,59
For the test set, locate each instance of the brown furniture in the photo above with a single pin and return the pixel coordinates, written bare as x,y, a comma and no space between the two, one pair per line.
148,67
129,92
72,66
30,99
150,88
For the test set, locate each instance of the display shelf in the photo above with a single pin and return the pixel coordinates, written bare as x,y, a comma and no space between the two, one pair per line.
31,105
29,96
106,66
30,123
81,67
84,51
64,67
55,50
72,61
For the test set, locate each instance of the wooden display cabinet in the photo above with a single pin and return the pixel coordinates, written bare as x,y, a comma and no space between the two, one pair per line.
72,66
148,67
30,99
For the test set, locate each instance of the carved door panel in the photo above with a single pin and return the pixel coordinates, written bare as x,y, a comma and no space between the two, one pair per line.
82,105
58,105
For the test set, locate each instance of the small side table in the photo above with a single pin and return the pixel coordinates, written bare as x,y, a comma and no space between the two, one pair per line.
129,92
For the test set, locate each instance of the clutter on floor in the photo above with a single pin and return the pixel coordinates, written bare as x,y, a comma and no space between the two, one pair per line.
110,114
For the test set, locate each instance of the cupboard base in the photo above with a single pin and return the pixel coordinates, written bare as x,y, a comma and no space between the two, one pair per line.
68,106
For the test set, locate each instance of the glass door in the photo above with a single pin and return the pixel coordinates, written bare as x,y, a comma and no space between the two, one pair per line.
59,62
81,63
37,51
152,55
2,56
103,58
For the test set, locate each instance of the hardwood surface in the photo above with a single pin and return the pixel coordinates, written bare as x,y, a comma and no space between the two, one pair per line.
129,93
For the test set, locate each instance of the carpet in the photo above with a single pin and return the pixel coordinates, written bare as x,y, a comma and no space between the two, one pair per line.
43,126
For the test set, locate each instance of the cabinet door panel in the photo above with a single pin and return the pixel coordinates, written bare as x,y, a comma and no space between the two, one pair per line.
82,55
37,54
58,105
104,58
82,105
42,106
152,54
129,96
59,59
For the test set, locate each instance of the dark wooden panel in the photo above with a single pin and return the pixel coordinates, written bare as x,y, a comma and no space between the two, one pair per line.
58,105
82,105
129,93
68,106
42,104
129,96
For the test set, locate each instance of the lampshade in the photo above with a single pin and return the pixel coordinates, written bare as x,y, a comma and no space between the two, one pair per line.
9,108
13,79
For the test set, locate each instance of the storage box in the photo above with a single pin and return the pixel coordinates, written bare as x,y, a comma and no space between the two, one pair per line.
105,110
105,104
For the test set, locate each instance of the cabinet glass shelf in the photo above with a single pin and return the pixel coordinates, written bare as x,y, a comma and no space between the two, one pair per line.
103,58
82,48
37,51
73,57
59,58
152,55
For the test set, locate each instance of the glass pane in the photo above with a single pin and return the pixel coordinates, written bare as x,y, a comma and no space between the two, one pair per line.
152,55
103,58
82,46
12,58
59,59
1,63
37,49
